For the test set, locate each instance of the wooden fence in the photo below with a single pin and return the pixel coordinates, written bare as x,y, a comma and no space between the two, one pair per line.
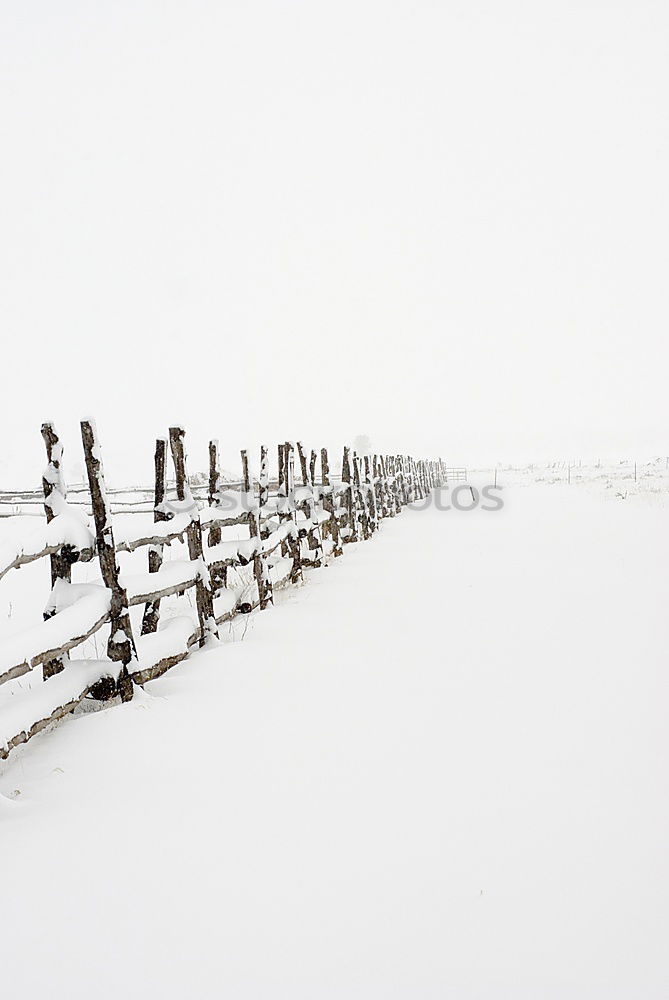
294,522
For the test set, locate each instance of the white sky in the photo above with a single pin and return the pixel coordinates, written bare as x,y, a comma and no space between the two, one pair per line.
444,225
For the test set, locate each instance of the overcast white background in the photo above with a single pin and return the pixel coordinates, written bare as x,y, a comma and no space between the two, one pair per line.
444,225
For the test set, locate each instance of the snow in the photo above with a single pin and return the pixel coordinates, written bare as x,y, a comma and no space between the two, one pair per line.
437,769
37,700
139,586
64,594
129,539
234,549
231,504
225,602
171,639
26,648
67,527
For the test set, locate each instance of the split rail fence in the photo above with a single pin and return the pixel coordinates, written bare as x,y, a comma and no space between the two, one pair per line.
294,522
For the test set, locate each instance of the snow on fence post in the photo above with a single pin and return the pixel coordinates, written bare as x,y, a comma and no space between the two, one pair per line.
389,486
281,477
214,489
360,496
315,531
376,486
260,570
263,490
392,464
294,540
282,505
203,589
55,493
121,644
399,481
386,499
410,479
370,487
152,608
349,499
308,508
413,477
329,504
386,510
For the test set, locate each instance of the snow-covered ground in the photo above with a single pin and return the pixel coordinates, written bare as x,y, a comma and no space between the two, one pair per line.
436,770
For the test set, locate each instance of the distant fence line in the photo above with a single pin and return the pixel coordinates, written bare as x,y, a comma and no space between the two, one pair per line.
292,525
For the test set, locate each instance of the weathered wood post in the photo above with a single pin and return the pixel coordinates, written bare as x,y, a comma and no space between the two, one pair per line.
282,503
263,490
360,495
390,483
388,500
308,507
303,463
329,505
412,478
214,490
370,488
377,486
315,507
281,477
152,608
121,644
260,570
293,541
55,494
401,478
349,498
203,590
412,490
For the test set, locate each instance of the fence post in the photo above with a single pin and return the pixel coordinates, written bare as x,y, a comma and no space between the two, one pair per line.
214,536
329,504
378,491
281,478
259,562
152,608
316,503
352,536
55,493
263,490
121,644
387,506
360,495
370,489
303,463
294,540
203,590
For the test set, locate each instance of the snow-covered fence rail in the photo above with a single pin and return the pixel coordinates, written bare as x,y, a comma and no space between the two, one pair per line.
290,527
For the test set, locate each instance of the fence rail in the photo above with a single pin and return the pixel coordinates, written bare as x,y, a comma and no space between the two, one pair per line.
291,525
